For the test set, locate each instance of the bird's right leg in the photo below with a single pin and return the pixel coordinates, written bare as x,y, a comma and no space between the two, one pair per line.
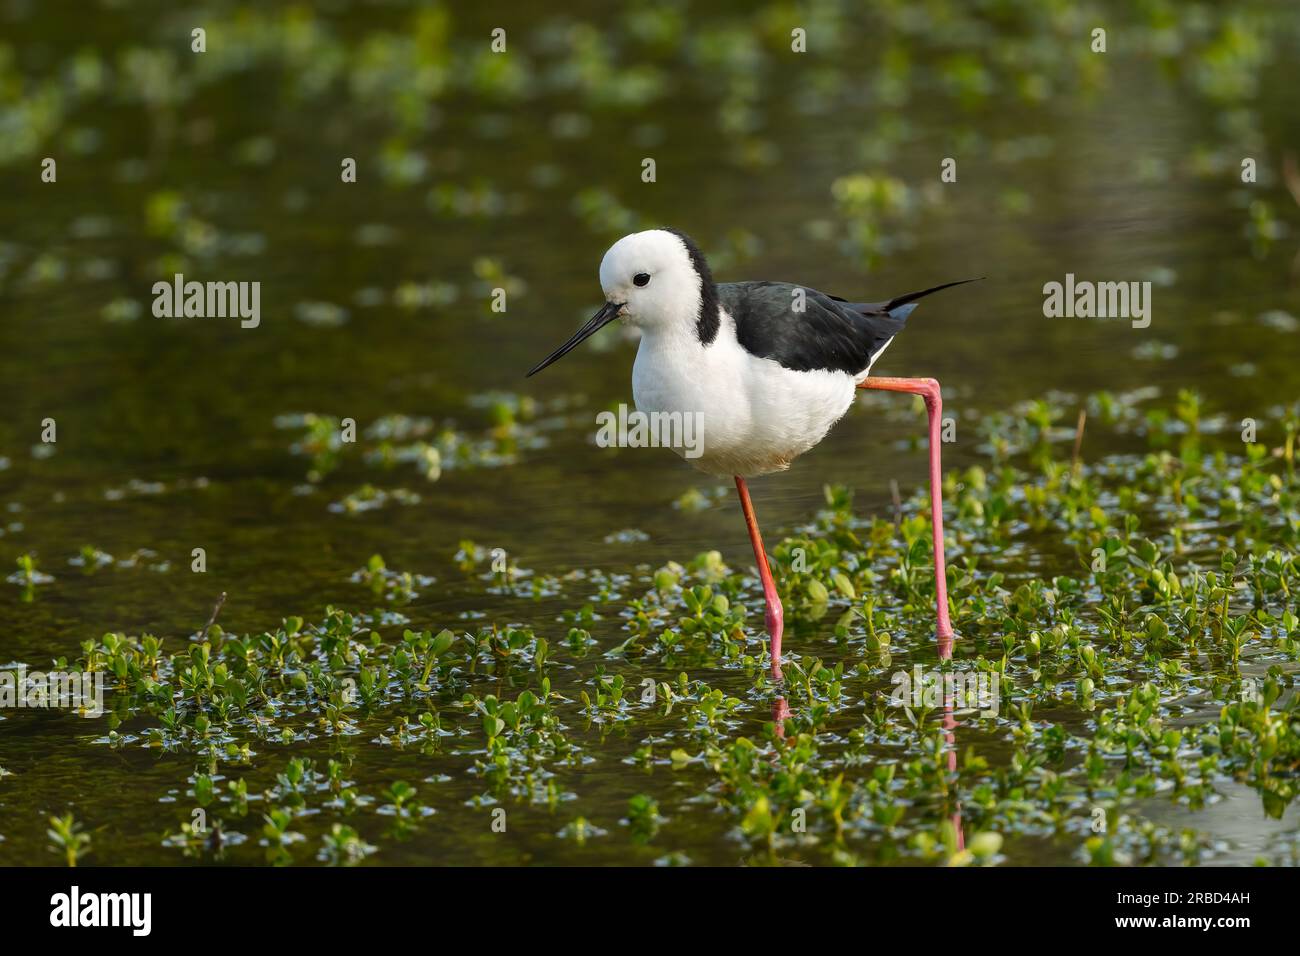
928,389
774,615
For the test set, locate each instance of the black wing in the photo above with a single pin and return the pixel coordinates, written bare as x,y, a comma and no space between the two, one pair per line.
828,334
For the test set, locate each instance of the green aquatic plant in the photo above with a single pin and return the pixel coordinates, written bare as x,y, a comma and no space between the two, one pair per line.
68,838
28,577
343,846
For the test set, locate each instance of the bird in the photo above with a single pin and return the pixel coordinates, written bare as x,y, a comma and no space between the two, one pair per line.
766,367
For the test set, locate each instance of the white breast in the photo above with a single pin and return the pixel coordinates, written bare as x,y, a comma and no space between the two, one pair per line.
756,415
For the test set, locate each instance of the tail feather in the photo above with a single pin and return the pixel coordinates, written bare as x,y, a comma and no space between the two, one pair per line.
902,300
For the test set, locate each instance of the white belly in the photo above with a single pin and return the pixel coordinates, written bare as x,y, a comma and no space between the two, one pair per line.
755,416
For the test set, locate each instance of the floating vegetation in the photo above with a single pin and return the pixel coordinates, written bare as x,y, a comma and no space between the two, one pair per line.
388,584
321,314
28,577
1155,664
518,426
694,500
91,559
370,498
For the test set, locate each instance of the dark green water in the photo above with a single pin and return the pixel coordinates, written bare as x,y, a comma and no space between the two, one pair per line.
1114,167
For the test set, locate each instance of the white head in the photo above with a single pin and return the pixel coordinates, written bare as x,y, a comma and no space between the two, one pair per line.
652,275
655,279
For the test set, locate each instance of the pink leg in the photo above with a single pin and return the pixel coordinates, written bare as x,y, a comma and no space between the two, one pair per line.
775,616
928,388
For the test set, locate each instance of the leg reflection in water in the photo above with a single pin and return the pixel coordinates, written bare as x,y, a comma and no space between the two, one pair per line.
781,713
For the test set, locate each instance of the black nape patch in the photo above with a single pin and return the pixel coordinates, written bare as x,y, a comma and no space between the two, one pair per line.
707,322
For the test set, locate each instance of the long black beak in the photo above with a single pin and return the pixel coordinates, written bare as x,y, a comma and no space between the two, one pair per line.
597,322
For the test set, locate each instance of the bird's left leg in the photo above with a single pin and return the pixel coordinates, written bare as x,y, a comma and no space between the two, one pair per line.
775,616
928,389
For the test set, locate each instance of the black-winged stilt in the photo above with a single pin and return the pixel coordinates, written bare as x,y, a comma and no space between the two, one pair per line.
768,368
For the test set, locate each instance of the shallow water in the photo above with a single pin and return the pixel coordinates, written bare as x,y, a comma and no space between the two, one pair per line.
167,434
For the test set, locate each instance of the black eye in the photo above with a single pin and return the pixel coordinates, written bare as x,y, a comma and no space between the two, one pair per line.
641,278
